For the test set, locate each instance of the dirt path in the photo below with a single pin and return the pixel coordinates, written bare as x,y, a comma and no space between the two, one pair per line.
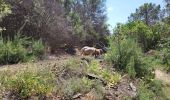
163,76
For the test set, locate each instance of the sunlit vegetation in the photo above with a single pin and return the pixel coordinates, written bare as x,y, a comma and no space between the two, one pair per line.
20,50
31,30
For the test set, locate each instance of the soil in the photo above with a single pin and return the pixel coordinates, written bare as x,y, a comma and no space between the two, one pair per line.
163,76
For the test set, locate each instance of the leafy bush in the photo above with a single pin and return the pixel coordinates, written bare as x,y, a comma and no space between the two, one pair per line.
144,93
4,10
166,58
11,52
110,77
163,47
126,55
72,67
38,49
145,69
16,50
146,36
152,90
28,82
71,76
75,85
156,87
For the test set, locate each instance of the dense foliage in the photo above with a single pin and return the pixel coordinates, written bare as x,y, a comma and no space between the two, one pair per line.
141,45
26,83
21,49
126,55
137,47
148,13
58,22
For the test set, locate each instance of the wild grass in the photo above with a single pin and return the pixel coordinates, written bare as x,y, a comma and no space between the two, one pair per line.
110,77
76,85
20,49
27,82
153,90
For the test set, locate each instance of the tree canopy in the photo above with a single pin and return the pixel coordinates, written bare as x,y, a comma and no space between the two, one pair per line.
148,12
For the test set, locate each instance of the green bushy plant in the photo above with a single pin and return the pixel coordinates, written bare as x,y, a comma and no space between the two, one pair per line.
147,37
16,50
110,77
156,87
76,85
152,90
38,49
29,82
166,58
72,67
144,69
5,10
144,93
126,55
163,47
11,52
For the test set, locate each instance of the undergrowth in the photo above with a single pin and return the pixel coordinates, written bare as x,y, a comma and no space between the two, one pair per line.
26,83
20,49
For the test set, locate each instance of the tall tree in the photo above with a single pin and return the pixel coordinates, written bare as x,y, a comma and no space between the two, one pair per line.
148,13
88,17
39,19
167,7
167,11
4,11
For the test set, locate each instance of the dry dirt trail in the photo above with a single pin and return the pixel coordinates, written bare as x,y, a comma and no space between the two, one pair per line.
163,76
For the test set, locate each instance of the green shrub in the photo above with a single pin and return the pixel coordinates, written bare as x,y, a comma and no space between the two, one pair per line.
163,47
166,58
126,55
144,68
5,10
110,77
12,53
76,85
144,93
71,76
29,82
16,50
72,67
156,87
151,91
122,51
147,37
21,40
38,49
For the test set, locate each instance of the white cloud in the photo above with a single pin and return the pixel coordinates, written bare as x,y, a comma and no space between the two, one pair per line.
110,9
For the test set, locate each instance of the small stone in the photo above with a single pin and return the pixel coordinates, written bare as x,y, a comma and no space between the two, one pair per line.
133,87
77,96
